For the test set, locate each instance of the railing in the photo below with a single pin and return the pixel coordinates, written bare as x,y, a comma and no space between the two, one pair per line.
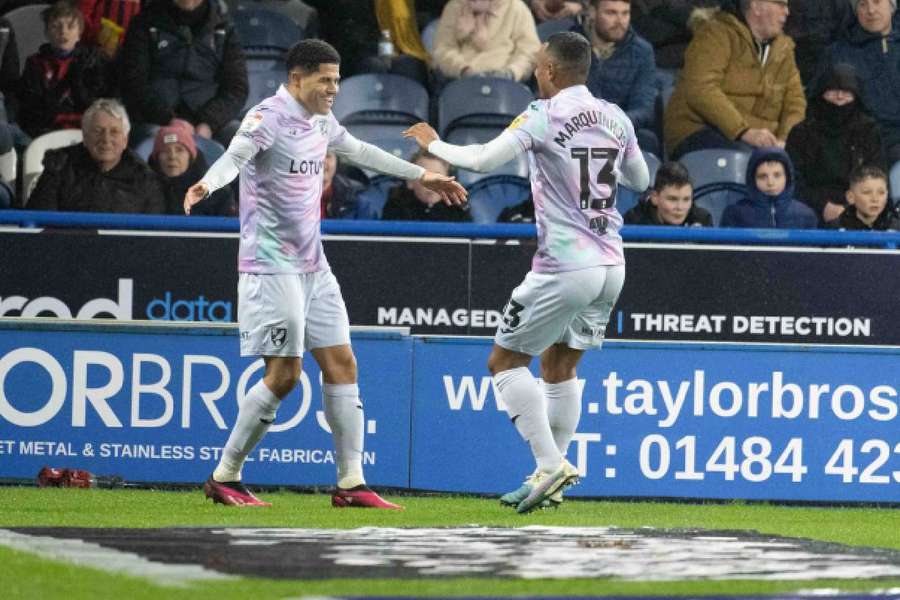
767,237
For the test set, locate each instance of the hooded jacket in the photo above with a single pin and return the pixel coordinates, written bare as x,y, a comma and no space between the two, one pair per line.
185,65
218,204
723,85
877,60
763,211
72,181
627,78
833,141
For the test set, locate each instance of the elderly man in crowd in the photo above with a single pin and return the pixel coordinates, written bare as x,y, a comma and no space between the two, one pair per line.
100,174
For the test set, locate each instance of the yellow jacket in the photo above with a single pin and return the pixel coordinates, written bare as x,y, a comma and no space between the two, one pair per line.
723,85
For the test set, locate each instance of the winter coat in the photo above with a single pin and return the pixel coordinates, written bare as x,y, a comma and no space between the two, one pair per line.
888,220
514,42
764,211
172,70
218,204
877,60
814,25
72,181
9,61
724,85
402,205
55,90
644,213
627,78
341,201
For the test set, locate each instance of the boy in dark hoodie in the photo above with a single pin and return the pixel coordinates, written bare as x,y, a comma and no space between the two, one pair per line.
671,201
63,78
869,209
770,189
837,136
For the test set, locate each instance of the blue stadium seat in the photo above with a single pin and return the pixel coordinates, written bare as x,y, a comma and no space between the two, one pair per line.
480,102
464,136
381,98
388,139
372,199
490,195
265,31
895,183
548,28
28,25
718,178
210,149
263,78
428,34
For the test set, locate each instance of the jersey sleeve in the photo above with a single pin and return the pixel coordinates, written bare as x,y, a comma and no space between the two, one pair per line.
529,129
259,126
631,143
336,131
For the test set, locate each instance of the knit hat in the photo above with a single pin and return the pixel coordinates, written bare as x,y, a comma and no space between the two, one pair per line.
853,3
178,131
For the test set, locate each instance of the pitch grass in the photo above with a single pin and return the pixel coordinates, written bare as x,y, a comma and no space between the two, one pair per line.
25,576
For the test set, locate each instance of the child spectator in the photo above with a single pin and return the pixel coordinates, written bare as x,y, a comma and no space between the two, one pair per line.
671,201
63,78
868,208
412,201
178,164
770,189
339,192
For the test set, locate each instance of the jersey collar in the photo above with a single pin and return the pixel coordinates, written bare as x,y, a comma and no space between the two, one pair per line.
294,108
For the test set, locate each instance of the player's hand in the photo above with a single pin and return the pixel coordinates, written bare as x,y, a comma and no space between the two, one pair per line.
423,133
195,194
451,193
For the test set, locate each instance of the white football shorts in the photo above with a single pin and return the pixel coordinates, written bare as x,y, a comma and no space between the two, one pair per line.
570,308
283,314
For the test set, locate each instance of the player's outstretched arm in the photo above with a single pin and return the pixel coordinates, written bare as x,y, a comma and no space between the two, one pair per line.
195,194
475,157
450,191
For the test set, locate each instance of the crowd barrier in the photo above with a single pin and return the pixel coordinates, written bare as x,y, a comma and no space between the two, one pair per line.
153,402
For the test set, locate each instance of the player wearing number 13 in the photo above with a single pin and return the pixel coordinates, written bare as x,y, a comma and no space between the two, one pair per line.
579,148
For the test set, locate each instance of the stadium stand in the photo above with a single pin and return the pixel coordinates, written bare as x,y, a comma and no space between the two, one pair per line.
29,27
264,32
490,195
718,178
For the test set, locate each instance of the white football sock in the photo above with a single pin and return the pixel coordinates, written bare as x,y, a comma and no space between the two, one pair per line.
255,415
563,411
344,413
525,406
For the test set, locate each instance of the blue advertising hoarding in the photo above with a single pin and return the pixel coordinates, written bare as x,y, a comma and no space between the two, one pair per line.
155,404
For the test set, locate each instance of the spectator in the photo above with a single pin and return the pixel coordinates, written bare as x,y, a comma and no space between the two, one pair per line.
872,46
769,202
178,164
63,78
523,212
814,25
623,69
836,137
105,23
550,10
669,25
412,201
182,59
101,174
339,192
671,201
740,87
486,37
868,208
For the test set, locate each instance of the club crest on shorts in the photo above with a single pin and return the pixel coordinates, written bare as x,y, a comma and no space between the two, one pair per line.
278,335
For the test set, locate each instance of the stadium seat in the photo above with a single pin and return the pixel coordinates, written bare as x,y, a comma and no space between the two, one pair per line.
210,149
548,28
718,178
480,102
28,25
715,197
33,159
490,195
464,136
263,79
895,183
372,199
8,164
263,31
428,35
381,98
300,13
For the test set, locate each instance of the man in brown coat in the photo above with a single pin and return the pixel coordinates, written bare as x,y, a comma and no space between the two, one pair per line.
740,86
